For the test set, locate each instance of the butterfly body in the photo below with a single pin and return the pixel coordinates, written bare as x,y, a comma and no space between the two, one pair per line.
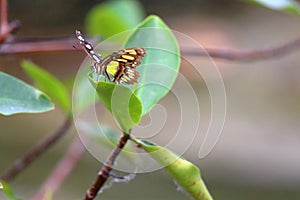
119,67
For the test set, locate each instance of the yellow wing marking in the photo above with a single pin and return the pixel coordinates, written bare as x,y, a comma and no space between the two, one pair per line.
112,67
121,60
128,57
130,51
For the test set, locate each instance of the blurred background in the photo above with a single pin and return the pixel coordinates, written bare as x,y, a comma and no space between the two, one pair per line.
258,153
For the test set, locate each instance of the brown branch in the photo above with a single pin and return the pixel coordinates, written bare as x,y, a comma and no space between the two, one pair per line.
35,152
246,56
62,170
8,30
3,13
52,46
38,47
42,45
5,28
106,169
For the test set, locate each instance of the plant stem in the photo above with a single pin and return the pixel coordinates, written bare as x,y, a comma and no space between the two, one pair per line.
57,44
245,56
35,152
44,45
9,29
62,169
107,167
3,12
5,28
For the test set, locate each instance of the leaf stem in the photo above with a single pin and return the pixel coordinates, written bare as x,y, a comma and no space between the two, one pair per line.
106,169
135,140
35,152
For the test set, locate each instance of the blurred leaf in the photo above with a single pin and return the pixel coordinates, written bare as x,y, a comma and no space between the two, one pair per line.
84,94
185,173
121,101
8,192
290,6
114,17
68,82
160,65
49,84
19,97
103,135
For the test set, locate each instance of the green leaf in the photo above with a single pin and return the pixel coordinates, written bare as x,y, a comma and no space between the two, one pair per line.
289,6
185,173
114,17
121,101
160,65
8,192
49,84
19,97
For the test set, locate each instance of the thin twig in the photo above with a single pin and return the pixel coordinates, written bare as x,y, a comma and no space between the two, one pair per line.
35,152
3,14
62,170
44,45
107,167
39,46
8,30
47,45
245,56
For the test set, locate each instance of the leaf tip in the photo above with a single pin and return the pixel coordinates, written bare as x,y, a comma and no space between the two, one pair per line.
153,21
26,64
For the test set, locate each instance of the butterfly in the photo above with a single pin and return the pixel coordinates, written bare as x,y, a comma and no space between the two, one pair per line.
119,67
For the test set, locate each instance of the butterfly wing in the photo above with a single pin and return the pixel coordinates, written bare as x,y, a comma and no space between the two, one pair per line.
131,57
120,66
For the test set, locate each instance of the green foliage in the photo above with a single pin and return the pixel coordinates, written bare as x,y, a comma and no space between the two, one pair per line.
49,84
185,173
161,63
8,192
114,17
121,101
158,72
290,6
19,97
